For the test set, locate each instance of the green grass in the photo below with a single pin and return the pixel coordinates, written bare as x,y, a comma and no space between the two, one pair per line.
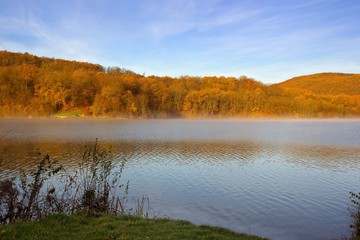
77,226
70,113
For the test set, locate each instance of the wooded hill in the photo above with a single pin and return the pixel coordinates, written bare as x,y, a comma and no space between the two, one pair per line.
326,83
38,86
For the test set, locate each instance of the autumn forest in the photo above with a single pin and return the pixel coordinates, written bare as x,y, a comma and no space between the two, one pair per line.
39,86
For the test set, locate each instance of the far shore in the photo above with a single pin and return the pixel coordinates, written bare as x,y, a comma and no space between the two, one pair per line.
199,118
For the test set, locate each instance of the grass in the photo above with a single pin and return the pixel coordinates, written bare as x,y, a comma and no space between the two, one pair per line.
81,226
70,113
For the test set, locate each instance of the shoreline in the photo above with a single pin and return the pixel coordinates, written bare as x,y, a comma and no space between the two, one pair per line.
265,118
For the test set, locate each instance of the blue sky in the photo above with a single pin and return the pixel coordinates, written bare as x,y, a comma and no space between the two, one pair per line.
269,40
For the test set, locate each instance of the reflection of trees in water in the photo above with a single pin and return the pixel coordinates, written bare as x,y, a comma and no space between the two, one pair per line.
247,152
23,154
17,156
191,152
331,158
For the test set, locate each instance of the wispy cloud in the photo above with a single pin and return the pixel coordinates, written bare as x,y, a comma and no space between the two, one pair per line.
46,41
262,39
169,18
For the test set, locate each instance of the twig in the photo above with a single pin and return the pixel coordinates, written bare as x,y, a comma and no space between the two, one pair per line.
9,131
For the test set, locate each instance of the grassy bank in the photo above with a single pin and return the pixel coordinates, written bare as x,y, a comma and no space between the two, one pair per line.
79,226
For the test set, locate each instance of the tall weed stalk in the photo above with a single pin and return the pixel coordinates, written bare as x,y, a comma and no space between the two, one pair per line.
94,188
21,197
355,214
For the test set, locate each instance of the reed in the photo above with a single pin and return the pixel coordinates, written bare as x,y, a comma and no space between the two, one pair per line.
355,214
94,188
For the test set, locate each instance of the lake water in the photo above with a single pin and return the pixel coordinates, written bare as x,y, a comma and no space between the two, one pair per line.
283,179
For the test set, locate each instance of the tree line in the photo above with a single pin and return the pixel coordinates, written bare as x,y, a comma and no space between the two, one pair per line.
38,86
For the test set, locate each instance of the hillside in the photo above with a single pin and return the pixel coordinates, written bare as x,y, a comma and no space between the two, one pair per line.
38,86
326,83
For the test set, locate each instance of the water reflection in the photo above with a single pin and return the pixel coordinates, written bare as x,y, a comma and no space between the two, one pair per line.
331,158
20,154
278,184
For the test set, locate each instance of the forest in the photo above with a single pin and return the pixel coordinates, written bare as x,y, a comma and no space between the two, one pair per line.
40,86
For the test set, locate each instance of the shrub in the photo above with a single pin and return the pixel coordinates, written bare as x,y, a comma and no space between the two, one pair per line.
21,197
355,214
92,188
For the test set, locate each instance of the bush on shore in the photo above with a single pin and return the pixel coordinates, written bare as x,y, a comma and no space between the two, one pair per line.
93,188
355,214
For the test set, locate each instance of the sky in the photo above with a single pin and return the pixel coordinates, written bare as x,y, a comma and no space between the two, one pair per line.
268,40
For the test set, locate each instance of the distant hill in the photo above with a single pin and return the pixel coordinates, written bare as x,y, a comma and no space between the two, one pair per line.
326,83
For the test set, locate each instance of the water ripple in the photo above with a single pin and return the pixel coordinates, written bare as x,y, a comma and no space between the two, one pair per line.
267,185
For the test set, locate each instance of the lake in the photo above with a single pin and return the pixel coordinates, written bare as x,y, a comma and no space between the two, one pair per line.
282,179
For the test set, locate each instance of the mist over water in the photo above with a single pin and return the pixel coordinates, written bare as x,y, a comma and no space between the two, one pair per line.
279,179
